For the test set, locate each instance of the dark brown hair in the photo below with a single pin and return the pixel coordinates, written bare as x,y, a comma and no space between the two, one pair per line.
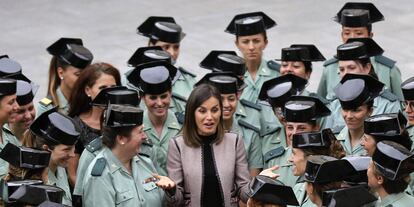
392,186
54,79
109,134
263,33
335,149
319,188
198,96
79,102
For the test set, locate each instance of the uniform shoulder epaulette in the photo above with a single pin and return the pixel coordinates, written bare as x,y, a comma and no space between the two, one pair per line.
179,97
269,129
385,61
337,129
387,94
45,101
187,72
273,65
248,125
250,104
315,95
277,152
99,167
330,61
94,145
180,117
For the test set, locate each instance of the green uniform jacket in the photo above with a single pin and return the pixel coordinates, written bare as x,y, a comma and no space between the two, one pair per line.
160,144
344,139
246,124
272,132
46,104
61,180
92,149
183,84
266,71
7,137
286,173
116,187
382,104
388,73
396,200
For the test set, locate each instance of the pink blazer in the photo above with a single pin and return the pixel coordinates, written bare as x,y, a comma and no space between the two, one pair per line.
184,167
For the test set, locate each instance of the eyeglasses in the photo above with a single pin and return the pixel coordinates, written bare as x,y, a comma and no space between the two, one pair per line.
408,104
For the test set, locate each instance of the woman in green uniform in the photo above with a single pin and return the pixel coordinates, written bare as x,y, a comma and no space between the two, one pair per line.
301,114
356,19
8,105
356,94
385,127
160,123
115,95
167,34
237,118
388,174
58,134
251,40
69,58
305,145
119,175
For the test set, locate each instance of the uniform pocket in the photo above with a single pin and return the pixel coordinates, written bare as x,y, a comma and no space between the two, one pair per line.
123,197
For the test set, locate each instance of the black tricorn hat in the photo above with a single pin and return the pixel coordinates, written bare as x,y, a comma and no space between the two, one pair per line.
116,95
37,194
385,124
224,60
24,157
324,169
346,197
153,77
358,14
393,160
304,109
7,188
250,24
123,116
355,169
225,82
301,52
354,90
161,28
56,127
407,88
11,69
71,51
358,48
277,91
322,139
148,54
269,191
25,92
7,86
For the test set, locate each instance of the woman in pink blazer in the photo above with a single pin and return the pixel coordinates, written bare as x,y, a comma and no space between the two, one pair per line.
208,165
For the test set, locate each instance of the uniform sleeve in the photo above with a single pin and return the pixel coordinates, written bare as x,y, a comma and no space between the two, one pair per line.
395,79
98,191
322,87
241,170
175,173
255,153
